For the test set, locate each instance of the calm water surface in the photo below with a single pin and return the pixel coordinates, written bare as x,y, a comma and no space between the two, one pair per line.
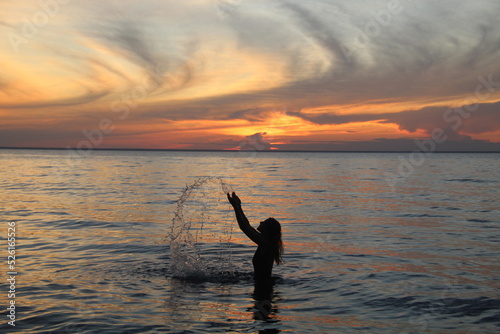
365,252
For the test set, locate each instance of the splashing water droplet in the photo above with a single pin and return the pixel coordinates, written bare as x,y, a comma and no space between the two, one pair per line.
201,231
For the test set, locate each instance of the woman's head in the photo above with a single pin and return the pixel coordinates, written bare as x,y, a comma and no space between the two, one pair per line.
271,230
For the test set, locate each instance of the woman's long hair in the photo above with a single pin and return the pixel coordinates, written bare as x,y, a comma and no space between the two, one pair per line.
273,234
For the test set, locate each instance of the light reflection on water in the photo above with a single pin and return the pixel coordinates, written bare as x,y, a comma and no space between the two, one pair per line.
93,255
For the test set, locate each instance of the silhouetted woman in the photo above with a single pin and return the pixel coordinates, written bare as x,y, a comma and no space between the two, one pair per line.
268,238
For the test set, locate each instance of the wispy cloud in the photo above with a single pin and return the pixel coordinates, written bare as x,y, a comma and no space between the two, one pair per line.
88,97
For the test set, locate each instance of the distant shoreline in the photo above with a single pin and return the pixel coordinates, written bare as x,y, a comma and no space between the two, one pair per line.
199,150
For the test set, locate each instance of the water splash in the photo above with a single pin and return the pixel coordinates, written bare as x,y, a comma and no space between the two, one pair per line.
201,231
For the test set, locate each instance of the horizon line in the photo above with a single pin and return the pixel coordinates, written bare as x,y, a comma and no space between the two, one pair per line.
232,150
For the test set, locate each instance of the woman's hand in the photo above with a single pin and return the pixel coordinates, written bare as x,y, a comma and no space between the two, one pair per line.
234,200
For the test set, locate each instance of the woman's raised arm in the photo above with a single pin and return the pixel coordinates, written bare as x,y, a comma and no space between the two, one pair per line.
243,222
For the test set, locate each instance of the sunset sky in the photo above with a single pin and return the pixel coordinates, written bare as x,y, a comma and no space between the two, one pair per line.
268,74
